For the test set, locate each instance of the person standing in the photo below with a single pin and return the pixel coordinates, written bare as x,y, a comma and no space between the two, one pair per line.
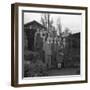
47,50
38,45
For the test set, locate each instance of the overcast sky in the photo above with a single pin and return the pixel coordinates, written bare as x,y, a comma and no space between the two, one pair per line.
73,22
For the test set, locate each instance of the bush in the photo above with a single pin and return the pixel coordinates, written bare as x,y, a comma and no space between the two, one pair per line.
37,68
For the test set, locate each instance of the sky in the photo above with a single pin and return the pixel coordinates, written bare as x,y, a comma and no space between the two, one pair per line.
72,22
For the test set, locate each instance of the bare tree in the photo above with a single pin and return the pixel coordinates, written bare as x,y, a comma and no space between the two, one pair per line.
46,21
59,26
67,31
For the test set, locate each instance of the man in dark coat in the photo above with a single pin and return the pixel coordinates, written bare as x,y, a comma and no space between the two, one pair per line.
39,44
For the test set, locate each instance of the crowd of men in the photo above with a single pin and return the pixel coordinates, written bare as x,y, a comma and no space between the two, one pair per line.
50,50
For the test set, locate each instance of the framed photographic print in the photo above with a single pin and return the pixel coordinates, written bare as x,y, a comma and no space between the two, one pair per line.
48,44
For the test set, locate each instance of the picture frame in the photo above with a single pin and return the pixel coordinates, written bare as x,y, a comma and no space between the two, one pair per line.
66,27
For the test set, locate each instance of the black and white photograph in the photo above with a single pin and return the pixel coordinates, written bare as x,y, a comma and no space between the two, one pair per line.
49,44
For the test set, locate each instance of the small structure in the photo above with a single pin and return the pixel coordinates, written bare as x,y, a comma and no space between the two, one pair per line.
30,29
72,51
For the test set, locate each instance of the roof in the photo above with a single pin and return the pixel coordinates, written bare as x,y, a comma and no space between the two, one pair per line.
75,35
34,22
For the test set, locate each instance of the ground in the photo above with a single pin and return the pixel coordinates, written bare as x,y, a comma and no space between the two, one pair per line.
38,68
63,71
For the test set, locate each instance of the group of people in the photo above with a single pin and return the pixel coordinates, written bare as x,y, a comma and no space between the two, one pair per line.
47,50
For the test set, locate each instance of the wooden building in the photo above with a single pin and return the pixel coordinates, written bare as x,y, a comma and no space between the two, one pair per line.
72,51
31,29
